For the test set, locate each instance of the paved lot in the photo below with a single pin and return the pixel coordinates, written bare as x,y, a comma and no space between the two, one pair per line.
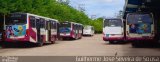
87,46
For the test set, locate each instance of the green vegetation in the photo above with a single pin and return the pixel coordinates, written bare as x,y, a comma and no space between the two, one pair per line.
98,24
49,8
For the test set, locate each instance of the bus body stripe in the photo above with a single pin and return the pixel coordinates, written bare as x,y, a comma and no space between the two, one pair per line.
33,33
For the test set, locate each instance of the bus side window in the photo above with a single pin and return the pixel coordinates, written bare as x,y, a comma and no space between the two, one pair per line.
48,25
32,21
73,26
77,27
54,25
37,23
42,23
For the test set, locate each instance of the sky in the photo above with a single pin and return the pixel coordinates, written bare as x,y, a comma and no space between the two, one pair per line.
100,8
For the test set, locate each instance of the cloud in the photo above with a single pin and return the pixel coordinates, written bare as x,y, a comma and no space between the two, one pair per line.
108,0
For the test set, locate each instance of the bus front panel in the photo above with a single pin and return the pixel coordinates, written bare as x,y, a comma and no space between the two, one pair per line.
15,26
139,27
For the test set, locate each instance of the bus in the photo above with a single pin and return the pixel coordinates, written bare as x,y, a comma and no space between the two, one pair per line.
88,30
70,30
139,27
26,27
113,30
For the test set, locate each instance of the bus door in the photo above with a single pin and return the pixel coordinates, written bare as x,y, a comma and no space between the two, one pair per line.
78,31
74,30
54,28
38,30
48,30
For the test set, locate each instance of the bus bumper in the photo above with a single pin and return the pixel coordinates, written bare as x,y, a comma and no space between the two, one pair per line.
66,36
113,39
17,40
139,38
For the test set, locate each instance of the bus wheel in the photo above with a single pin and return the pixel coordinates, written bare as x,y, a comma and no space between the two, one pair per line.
136,44
40,43
6,44
53,41
113,42
76,37
3,44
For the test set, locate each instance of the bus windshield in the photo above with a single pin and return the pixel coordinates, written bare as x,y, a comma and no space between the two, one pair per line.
65,27
139,18
17,19
139,23
113,22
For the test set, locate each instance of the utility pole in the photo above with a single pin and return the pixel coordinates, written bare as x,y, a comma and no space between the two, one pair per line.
81,7
93,16
119,14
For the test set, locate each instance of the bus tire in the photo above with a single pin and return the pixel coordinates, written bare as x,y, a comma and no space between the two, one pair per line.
6,44
135,44
40,42
113,42
76,37
53,42
3,44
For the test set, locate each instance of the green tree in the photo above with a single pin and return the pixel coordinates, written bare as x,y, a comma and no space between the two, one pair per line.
49,8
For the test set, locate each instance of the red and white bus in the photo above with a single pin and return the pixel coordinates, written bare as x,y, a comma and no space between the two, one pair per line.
113,30
139,27
70,30
26,27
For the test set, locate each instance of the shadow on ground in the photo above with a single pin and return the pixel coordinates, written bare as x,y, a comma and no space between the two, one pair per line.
20,45
143,45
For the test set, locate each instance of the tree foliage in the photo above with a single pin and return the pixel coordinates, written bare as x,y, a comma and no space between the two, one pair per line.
98,25
49,8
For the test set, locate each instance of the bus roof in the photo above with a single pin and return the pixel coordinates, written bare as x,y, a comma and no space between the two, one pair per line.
113,19
73,22
36,16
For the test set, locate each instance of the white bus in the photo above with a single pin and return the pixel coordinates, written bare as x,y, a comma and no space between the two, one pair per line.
139,27
88,30
113,30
